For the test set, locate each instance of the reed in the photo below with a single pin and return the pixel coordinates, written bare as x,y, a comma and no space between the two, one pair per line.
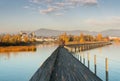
17,48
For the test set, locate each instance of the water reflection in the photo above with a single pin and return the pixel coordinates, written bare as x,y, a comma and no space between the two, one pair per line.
7,52
47,45
112,53
21,65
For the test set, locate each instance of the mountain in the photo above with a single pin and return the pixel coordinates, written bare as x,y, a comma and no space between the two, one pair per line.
50,32
111,32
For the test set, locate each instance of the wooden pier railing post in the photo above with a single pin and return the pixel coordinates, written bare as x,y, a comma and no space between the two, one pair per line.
106,65
81,57
78,57
75,49
84,59
95,65
78,49
71,49
88,56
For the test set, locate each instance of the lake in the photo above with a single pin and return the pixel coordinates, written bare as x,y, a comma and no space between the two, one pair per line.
20,66
112,52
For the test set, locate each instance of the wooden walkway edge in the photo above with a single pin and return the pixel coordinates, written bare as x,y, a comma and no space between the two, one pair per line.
62,66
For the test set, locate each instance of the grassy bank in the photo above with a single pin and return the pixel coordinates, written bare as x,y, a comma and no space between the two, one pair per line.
17,48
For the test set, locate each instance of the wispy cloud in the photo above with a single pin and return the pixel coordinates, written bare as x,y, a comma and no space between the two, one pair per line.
59,14
110,21
26,7
50,6
48,10
66,1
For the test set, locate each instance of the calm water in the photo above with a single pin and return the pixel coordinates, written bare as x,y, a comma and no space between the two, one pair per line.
112,52
21,66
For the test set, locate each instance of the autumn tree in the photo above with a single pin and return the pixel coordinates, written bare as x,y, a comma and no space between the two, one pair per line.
76,38
64,37
89,38
99,37
82,38
5,38
26,39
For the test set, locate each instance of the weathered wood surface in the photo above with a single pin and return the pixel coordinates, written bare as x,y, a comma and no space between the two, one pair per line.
62,66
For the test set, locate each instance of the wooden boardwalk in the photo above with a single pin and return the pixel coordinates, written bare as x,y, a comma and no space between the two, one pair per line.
63,66
85,46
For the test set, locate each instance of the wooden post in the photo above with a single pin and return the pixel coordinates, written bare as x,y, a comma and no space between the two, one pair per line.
88,56
87,47
75,49
95,65
71,49
106,65
80,57
79,48
83,48
84,59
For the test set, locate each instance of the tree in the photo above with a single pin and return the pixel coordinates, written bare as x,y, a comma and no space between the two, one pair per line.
5,38
89,38
71,38
99,37
64,37
82,38
26,39
76,38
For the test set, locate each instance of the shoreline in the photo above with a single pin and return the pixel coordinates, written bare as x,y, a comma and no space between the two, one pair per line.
17,49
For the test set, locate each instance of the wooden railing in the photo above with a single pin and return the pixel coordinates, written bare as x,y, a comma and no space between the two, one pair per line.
73,43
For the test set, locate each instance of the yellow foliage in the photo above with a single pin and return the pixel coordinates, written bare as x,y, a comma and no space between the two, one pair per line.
99,37
82,40
64,37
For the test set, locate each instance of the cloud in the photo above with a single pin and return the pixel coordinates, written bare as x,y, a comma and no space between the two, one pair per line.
26,7
59,14
66,1
84,2
49,10
110,21
48,6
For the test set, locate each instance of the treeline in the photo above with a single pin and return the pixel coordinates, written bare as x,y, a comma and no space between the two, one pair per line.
14,40
82,38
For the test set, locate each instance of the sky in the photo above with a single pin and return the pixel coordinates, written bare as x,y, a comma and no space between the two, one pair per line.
30,15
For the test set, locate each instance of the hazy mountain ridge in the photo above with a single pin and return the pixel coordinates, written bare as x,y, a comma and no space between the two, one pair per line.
50,32
111,32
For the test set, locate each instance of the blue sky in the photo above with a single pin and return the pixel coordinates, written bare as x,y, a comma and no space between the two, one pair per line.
92,15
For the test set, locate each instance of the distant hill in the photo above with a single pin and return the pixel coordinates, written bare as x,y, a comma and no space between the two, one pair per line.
50,32
111,32
47,32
